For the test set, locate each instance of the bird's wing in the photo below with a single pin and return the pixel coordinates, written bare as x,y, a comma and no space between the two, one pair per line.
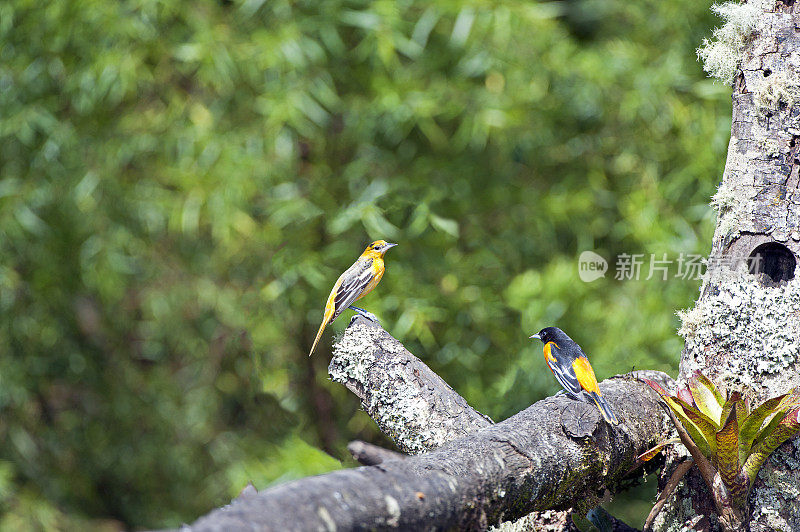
585,374
354,281
564,374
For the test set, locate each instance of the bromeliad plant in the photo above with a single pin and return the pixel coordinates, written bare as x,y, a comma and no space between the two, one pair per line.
727,439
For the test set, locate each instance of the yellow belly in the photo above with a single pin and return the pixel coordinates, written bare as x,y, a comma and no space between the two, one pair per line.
378,269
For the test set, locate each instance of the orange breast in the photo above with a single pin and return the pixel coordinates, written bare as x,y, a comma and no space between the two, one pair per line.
548,356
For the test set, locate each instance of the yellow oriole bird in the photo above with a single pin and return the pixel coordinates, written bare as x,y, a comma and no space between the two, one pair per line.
356,282
572,370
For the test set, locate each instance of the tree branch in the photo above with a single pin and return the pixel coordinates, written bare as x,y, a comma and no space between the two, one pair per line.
409,402
551,455
367,454
672,484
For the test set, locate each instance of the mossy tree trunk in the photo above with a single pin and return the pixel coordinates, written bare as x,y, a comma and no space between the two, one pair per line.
744,331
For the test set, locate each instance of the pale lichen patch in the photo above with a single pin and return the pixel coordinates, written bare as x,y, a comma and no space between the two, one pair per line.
779,489
755,328
773,148
393,511
781,89
327,520
731,204
724,199
691,321
722,54
357,347
387,378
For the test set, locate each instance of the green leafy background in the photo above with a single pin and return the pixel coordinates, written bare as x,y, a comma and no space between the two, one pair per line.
182,182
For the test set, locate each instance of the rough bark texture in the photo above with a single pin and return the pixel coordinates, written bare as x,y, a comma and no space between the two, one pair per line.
415,407
554,454
410,403
745,329
367,454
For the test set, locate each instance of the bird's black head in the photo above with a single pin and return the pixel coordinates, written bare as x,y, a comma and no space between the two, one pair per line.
552,334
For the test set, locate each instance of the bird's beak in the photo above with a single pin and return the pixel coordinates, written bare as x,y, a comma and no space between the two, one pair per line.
388,245
535,336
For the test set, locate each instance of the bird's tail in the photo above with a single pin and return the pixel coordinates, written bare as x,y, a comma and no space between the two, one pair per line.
601,403
319,334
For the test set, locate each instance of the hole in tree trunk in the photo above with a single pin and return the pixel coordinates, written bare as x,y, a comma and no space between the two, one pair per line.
772,263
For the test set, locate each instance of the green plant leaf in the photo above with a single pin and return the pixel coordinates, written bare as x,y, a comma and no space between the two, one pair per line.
657,387
704,424
705,381
787,403
686,395
693,430
745,404
734,398
706,396
444,224
787,428
772,423
791,400
742,410
752,423
695,414
650,453
727,440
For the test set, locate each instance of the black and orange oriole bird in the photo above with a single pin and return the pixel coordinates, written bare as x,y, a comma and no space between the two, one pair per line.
356,282
569,364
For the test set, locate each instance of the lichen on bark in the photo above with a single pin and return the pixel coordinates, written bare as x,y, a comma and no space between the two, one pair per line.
420,412
744,334
721,55
744,330
405,399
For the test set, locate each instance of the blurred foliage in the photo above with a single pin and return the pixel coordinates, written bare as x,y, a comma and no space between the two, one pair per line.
182,182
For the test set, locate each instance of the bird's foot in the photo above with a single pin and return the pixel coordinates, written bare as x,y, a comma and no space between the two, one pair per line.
369,315
568,394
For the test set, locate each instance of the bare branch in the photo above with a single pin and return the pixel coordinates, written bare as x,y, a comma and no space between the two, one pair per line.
409,402
551,455
367,454
672,483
